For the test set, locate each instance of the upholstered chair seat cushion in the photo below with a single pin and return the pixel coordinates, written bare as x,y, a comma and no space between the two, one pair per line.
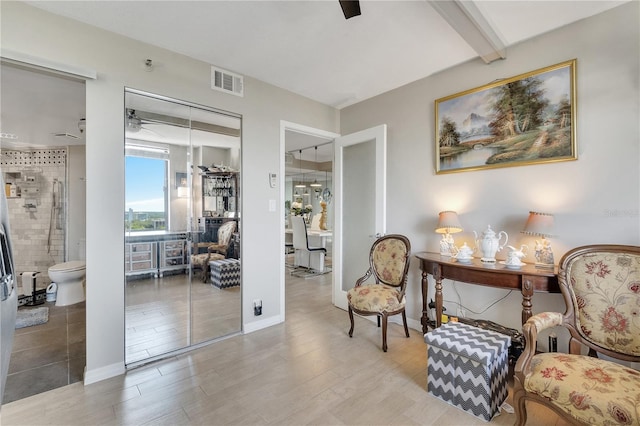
202,260
591,390
375,298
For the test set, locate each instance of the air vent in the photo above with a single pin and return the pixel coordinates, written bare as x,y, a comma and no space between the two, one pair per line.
227,82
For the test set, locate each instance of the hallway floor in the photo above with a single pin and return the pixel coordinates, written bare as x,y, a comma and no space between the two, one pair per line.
47,356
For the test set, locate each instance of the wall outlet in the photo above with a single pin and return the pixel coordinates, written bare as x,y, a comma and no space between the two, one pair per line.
257,307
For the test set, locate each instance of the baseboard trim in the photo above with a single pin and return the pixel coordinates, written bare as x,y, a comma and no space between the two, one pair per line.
259,325
411,323
103,373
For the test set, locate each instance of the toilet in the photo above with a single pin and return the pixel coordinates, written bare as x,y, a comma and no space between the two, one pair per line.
69,277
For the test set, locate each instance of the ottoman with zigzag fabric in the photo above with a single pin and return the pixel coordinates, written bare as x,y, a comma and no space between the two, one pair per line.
467,367
225,272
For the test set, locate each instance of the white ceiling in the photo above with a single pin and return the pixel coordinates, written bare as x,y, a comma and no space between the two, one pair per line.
37,106
309,48
303,46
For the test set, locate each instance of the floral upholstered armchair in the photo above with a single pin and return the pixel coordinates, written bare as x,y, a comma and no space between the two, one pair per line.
215,251
224,238
601,288
389,265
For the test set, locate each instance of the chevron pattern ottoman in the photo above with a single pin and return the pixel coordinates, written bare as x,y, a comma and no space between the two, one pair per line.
467,367
225,272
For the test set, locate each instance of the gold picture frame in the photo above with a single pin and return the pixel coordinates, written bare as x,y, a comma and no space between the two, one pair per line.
522,120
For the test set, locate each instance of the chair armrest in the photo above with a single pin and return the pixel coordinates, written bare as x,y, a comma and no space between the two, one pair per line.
363,278
545,320
217,248
530,330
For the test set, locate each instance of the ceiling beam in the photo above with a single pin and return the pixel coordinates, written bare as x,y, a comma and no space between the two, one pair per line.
465,17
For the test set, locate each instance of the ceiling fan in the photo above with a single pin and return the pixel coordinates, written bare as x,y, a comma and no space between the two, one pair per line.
135,122
350,8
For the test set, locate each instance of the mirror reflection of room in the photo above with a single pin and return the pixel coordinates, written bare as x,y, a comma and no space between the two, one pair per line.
182,190
309,197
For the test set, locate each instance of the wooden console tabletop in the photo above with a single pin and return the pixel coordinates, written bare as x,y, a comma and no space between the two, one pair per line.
527,279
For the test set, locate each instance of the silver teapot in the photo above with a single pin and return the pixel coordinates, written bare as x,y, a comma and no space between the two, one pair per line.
489,244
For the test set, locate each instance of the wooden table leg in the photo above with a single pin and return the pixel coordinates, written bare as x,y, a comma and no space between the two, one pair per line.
425,305
527,293
437,275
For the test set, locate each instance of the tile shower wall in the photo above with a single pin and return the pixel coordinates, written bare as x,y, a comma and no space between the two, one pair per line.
38,232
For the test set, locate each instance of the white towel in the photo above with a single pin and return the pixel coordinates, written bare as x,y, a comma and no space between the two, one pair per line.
27,283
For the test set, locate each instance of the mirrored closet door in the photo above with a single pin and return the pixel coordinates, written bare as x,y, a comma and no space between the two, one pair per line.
182,225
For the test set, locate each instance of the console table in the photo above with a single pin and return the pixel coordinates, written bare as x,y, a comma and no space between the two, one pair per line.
527,279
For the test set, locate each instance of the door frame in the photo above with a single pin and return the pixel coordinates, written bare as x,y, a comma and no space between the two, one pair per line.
307,130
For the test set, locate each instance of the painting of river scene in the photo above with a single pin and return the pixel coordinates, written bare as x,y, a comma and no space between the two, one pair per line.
526,119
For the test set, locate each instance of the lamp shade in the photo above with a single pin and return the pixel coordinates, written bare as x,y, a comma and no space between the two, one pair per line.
540,224
448,223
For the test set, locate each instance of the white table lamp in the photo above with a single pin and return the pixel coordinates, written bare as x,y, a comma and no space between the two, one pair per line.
448,223
541,225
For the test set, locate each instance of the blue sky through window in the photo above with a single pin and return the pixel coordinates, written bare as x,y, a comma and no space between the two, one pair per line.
145,180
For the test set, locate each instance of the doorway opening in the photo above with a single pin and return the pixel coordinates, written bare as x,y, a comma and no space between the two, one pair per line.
307,159
42,152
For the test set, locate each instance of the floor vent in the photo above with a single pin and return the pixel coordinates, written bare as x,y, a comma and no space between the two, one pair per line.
227,82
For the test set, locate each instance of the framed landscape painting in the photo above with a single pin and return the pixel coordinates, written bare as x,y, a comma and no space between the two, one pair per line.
526,119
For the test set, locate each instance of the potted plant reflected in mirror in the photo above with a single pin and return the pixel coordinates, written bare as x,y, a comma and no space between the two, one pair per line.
298,209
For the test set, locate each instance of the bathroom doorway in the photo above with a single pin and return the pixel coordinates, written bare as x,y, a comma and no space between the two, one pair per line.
183,203
42,157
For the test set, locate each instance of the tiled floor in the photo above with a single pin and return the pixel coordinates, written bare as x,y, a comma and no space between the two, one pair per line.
166,314
52,355
303,371
47,356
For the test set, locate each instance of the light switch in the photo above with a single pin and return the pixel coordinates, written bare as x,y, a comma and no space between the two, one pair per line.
272,205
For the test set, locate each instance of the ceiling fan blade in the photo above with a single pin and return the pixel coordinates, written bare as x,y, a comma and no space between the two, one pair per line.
350,8
151,131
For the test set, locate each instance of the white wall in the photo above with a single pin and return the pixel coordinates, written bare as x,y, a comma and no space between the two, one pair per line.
119,63
77,201
595,199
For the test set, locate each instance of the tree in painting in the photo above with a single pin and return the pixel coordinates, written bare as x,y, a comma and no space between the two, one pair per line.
563,113
449,136
518,107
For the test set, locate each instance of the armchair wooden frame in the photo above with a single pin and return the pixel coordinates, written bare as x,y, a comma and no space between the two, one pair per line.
577,341
379,279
